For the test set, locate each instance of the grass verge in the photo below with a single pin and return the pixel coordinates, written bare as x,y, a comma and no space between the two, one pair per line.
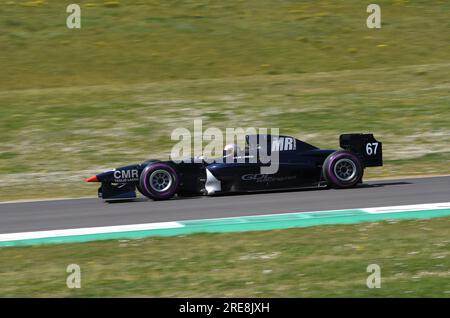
326,261
56,137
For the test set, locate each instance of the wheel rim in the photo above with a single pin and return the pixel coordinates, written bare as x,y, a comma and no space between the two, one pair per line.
345,169
161,180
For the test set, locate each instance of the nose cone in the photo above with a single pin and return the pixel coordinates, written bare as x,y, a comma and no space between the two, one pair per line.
92,179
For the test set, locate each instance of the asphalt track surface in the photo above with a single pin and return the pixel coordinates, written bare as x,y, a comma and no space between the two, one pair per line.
78,213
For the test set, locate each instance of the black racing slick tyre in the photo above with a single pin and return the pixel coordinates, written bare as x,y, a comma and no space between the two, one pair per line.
342,169
159,181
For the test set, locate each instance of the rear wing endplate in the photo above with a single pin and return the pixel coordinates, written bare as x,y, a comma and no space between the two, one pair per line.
366,146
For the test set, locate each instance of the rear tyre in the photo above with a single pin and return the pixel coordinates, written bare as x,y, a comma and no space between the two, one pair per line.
159,181
342,169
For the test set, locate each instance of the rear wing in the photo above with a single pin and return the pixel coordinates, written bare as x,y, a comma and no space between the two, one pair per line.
366,146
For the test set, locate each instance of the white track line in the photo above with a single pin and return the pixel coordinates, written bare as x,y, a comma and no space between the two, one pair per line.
89,230
438,206
170,225
408,208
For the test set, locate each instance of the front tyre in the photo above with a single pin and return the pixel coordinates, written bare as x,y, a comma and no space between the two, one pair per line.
159,181
342,169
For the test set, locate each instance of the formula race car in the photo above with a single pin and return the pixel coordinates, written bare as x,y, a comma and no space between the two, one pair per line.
299,165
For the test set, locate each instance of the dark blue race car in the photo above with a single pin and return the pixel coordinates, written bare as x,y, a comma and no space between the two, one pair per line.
300,165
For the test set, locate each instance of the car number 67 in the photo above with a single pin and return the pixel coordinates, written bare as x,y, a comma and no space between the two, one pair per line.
371,148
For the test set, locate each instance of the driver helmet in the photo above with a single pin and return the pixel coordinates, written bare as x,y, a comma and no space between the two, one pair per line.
231,150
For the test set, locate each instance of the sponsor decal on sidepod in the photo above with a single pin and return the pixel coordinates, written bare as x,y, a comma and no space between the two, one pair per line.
265,178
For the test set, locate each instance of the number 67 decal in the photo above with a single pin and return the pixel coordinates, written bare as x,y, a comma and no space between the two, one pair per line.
371,148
